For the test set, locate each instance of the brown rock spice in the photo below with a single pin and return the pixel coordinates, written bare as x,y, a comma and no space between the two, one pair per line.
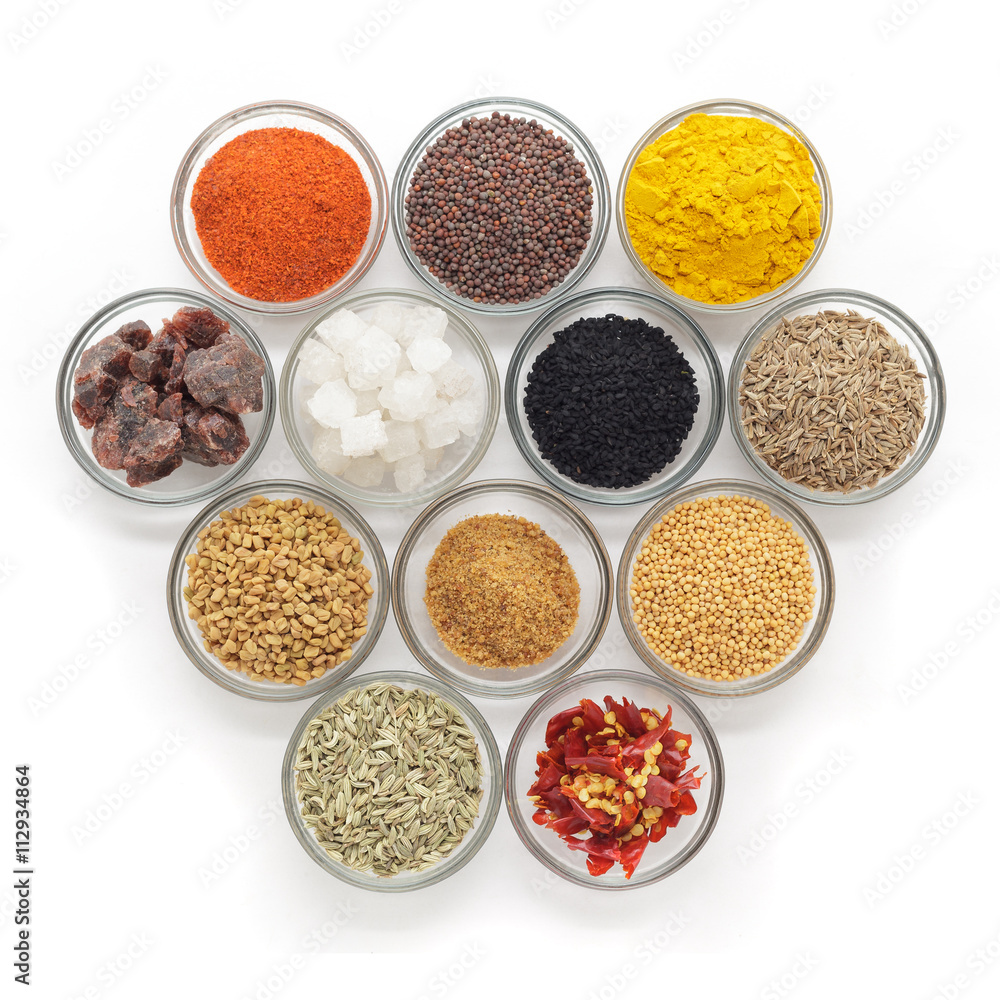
501,592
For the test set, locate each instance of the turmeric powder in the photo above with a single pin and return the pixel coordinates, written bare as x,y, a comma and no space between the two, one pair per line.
723,208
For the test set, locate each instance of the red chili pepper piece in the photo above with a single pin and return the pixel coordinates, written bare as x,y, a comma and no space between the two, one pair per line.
558,724
632,852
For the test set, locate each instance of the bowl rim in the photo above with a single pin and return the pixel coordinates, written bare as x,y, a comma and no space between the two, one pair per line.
489,807
232,680
823,578
633,494
68,424
936,396
583,150
183,239
540,493
545,703
739,108
467,331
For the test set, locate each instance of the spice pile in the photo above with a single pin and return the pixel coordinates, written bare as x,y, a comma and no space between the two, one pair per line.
610,401
281,213
278,590
723,208
389,780
721,588
391,398
501,592
499,209
617,775
153,401
832,401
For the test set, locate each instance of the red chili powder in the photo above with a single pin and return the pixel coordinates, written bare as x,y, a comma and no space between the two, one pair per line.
281,214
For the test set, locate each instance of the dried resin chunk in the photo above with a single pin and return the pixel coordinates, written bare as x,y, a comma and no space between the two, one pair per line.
131,389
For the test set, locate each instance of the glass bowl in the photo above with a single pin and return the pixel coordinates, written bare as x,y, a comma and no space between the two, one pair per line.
745,110
564,523
693,344
471,842
459,459
680,844
275,114
190,638
582,149
905,331
823,581
191,483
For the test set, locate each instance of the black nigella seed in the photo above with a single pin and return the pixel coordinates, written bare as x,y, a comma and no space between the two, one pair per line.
610,401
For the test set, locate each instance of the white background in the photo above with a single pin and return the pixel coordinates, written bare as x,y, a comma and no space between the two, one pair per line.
126,911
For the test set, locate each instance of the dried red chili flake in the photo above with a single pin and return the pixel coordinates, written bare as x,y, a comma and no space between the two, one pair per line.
616,774
281,213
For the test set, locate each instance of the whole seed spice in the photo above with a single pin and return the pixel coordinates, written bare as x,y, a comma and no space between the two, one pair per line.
832,401
610,401
281,213
278,590
389,780
501,592
499,209
721,588
617,775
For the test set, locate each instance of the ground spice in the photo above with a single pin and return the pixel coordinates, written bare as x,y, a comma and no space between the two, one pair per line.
832,401
278,590
723,208
501,592
281,213
721,588
610,401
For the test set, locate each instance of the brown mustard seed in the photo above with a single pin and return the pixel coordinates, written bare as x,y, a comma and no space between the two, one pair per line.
278,590
501,592
722,589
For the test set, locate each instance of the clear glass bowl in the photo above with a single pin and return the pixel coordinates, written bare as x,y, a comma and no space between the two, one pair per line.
680,844
275,114
745,110
693,344
906,332
460,458
186,629
819,560
191,483
471,842
582,149
564,523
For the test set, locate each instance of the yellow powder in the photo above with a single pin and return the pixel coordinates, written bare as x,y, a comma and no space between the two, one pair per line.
723,208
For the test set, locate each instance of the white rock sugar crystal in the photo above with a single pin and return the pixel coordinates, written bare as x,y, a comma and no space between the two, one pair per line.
452,379
409,473
333,403
467,411
388,316
439,429
390,397
362,436
371,359
368,401
341,330
422,321
401,440
428,354
318,363
365,471
408,396
329,453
